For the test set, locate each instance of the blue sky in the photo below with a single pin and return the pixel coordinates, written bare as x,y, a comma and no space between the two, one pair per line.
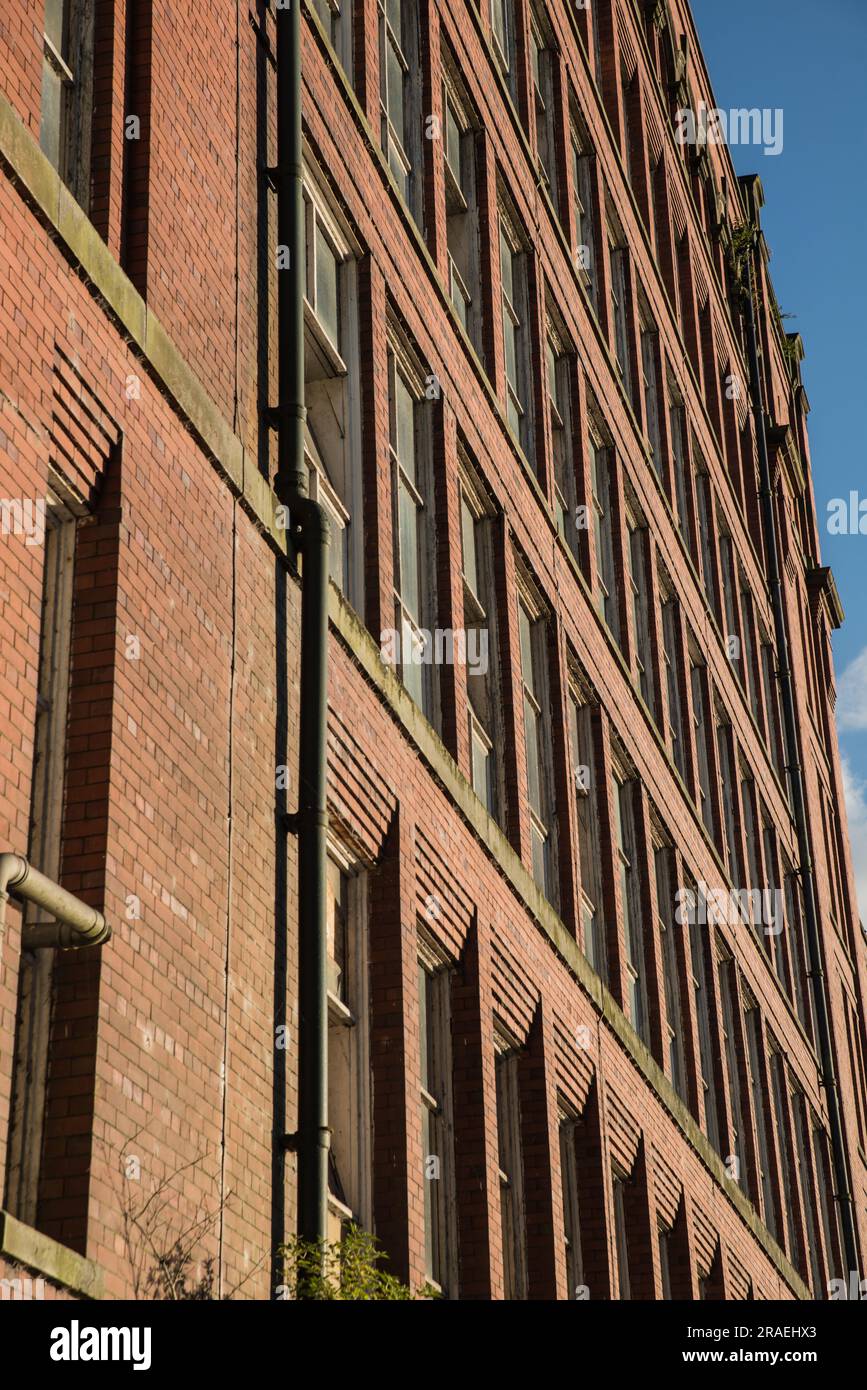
810,60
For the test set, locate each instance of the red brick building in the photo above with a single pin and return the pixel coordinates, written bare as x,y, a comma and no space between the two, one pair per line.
530,419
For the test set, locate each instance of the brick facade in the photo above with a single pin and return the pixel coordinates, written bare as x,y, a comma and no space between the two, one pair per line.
136,357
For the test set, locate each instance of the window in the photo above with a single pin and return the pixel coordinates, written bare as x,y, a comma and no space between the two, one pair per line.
653,204
698,678
571,1205
583,208
592,6
617,256
687,303
773,883
678,457
751,834
436,1120
839,894
748,617
755,1048
664,872
787,1157
516,339
533,639
349,1158
586,792
561,369
728,996
730,604
479,627
505,46
702,981
801,1121
336,19
856,1065
621,1237
772,705
36,983
67,92
649,381
672,658
623,793
828,1207
662,224
704,496
728,791
603,517
332,435
543,62
410,453
462,209
711,368
798,953
511,1173
665,1262
639,583
628,88
400,75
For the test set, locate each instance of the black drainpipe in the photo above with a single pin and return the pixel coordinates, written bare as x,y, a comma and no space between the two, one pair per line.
310,535
843,1193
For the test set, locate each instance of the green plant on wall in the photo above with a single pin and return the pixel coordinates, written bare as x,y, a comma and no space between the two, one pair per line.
347,1271
742,239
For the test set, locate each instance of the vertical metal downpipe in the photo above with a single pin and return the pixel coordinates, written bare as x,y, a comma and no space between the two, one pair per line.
310,534
843,1193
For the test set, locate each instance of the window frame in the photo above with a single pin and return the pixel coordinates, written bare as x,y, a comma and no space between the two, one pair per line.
436,1101
515,308
536,695
400,363
593,930
328,361
601,489
349,1038
510,1146
401,147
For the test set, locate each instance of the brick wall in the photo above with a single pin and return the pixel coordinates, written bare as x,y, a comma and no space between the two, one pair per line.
185,673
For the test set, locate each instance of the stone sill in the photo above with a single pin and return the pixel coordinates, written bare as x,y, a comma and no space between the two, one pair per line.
47,1257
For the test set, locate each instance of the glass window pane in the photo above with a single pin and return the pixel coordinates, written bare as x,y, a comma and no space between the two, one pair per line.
398,167
525,635
552,370
423,1014
481,771
460,300
52,99
338,549
429,1237
468,541
412,671
531,736
506,266
540,859
323,9
326,287
405,426
394,91
453,141
408,519
510,350
54,25
498,23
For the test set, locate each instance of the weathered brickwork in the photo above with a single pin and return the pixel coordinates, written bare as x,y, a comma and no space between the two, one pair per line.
581,1128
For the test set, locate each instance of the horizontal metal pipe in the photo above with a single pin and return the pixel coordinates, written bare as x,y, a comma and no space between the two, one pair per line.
77,923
